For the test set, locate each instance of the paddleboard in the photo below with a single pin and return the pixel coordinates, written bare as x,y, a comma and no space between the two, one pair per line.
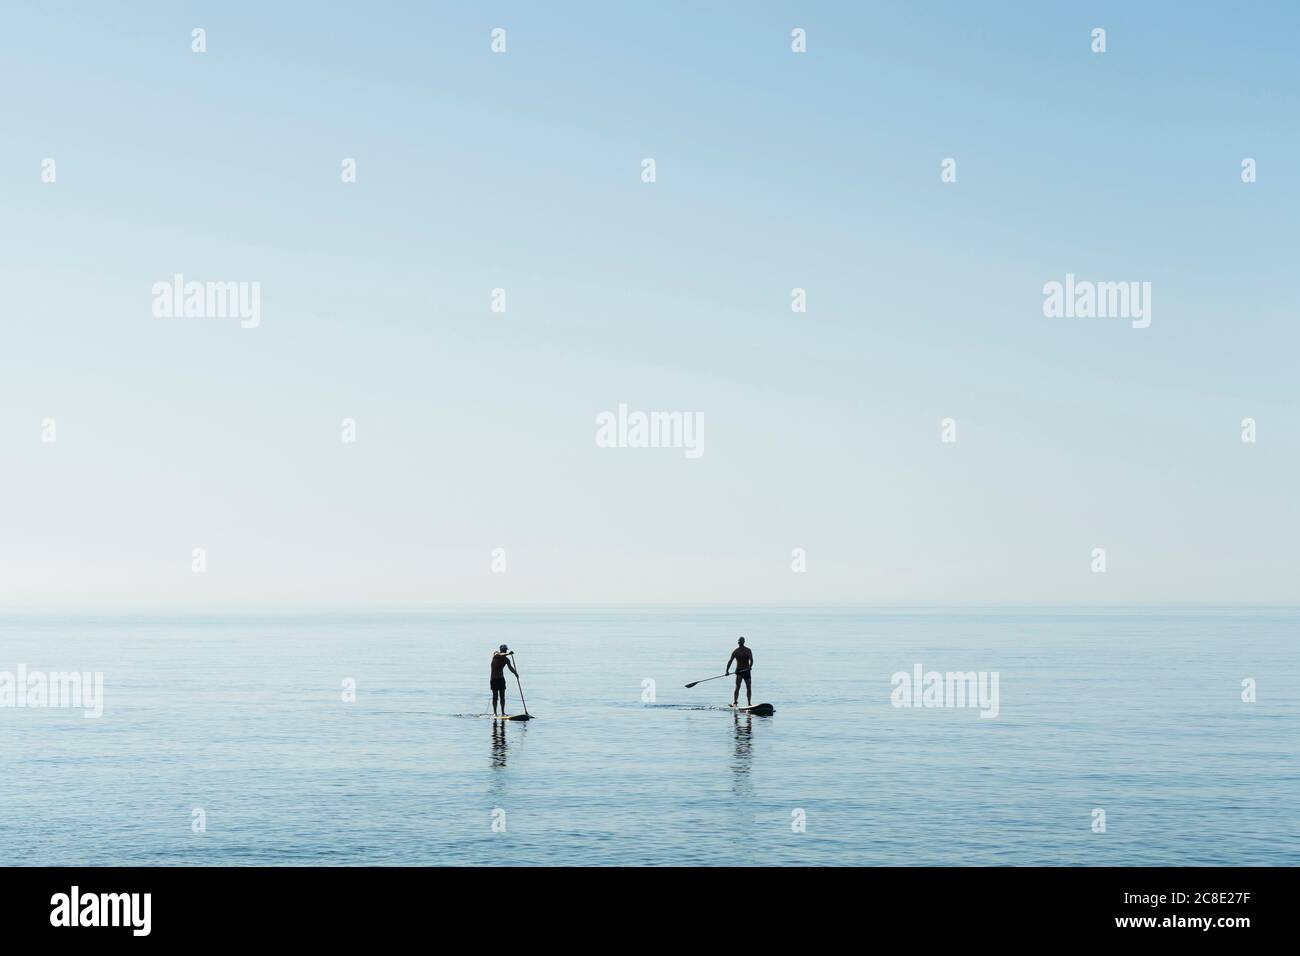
509,717
758,710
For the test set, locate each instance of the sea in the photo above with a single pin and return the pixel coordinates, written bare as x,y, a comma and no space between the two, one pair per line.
1084,737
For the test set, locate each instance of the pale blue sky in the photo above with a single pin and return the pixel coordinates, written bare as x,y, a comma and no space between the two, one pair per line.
521,171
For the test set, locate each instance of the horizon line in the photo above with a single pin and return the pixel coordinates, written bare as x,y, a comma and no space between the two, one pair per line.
433,607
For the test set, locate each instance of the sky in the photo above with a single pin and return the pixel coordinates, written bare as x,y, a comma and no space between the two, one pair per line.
522,170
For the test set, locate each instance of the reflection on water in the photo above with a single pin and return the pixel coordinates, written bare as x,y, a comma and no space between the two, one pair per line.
499,744
741,784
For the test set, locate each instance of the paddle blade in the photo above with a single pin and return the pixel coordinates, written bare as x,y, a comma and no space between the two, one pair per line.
689,686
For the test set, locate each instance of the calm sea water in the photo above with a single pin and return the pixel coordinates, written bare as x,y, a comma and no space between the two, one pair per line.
1135,712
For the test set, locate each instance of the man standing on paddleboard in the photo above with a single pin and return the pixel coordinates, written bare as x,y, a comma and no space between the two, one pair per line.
500,661
744,660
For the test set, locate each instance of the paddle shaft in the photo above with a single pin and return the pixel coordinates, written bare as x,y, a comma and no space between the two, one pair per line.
707,679
520,685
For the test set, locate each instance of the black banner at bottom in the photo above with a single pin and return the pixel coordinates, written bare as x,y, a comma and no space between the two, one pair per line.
334,905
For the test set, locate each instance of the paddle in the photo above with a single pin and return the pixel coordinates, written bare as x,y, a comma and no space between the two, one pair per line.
707,679
527,716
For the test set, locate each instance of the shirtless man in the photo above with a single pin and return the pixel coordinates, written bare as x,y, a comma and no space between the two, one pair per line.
744,661
500,661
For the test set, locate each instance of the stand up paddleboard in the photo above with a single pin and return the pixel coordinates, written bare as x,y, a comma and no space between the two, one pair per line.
758,710
509,717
